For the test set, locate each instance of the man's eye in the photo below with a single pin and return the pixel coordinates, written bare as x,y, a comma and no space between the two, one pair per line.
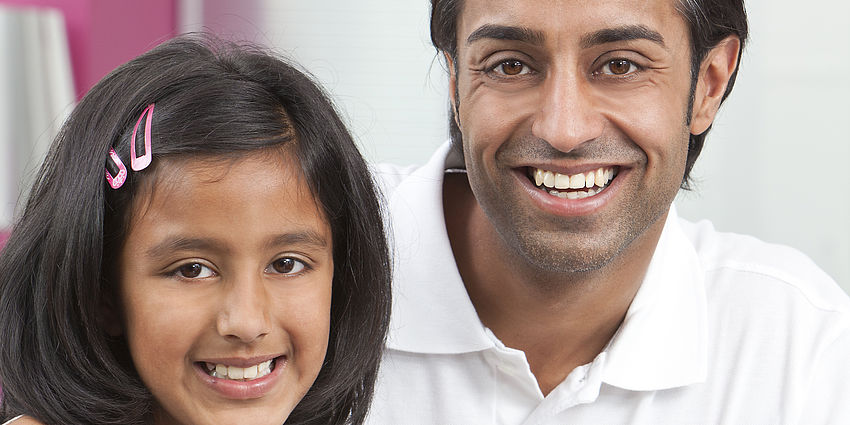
194,271
618,67
286,265
511,67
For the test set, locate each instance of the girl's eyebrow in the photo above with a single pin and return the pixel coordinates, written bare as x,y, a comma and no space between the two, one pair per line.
302,237
306,237
182,243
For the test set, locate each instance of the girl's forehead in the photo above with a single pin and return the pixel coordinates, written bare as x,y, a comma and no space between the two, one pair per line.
213,180
238,206
211,167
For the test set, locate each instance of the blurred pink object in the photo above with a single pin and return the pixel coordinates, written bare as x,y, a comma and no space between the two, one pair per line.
101,35
4,234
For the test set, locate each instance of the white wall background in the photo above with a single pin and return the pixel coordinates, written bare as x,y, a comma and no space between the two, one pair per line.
774,165
36,94
373,56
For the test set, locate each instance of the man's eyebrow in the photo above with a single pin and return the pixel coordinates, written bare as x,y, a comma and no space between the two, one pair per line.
624,33
504,32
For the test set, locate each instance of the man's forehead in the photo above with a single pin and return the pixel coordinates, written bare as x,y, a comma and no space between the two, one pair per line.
535,21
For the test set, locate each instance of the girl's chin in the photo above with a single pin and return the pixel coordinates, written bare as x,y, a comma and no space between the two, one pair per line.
255,415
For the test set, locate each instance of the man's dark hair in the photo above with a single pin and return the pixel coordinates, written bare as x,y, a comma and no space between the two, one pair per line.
214,101
709,22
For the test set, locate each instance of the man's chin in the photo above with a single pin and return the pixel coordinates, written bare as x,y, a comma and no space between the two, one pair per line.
572,264
567,258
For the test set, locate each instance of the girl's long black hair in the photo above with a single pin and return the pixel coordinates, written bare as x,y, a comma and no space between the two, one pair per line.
213,99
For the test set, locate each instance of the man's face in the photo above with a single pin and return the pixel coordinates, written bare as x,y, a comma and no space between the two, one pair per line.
552,92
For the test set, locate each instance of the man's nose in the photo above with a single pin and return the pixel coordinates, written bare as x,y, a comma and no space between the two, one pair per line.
244,315
566,116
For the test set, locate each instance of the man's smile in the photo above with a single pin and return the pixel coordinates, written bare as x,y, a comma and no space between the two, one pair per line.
572,186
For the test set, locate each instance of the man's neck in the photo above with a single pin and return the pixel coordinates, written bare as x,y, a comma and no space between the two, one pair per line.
560,320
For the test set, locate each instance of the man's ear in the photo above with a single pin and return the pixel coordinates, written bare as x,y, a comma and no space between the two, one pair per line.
452,86
714,73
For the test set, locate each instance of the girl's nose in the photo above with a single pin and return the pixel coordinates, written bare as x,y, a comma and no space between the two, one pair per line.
244,315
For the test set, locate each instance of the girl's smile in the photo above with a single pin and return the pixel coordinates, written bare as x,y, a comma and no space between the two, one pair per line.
242,382
225,280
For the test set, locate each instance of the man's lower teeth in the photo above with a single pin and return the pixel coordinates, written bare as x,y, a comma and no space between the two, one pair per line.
576,194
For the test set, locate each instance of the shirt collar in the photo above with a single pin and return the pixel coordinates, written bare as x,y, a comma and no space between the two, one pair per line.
432,312
662,342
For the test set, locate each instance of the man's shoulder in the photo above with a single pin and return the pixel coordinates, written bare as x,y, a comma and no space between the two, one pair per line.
776,319
763,269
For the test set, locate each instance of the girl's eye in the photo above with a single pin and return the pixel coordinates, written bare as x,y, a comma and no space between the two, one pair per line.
194,271
286,265
619,67
511,67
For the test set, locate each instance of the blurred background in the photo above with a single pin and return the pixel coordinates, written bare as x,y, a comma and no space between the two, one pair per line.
773,166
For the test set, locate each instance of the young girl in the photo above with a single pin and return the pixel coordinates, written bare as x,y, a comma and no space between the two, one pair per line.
203,246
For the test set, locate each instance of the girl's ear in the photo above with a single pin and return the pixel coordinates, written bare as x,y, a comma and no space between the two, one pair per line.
714,74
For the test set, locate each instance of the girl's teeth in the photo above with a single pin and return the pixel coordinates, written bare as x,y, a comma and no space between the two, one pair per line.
250,372
235,372
239,373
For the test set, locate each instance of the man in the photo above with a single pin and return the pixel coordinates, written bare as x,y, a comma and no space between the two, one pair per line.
542,275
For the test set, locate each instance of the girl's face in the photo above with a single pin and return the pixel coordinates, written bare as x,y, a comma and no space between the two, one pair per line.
225,285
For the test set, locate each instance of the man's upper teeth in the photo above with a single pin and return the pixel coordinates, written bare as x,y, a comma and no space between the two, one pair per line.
599,177
234,372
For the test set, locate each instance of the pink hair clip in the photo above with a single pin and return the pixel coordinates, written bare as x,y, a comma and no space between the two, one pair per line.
138,163
118,180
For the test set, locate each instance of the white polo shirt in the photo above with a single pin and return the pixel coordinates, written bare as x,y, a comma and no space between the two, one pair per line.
725,329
